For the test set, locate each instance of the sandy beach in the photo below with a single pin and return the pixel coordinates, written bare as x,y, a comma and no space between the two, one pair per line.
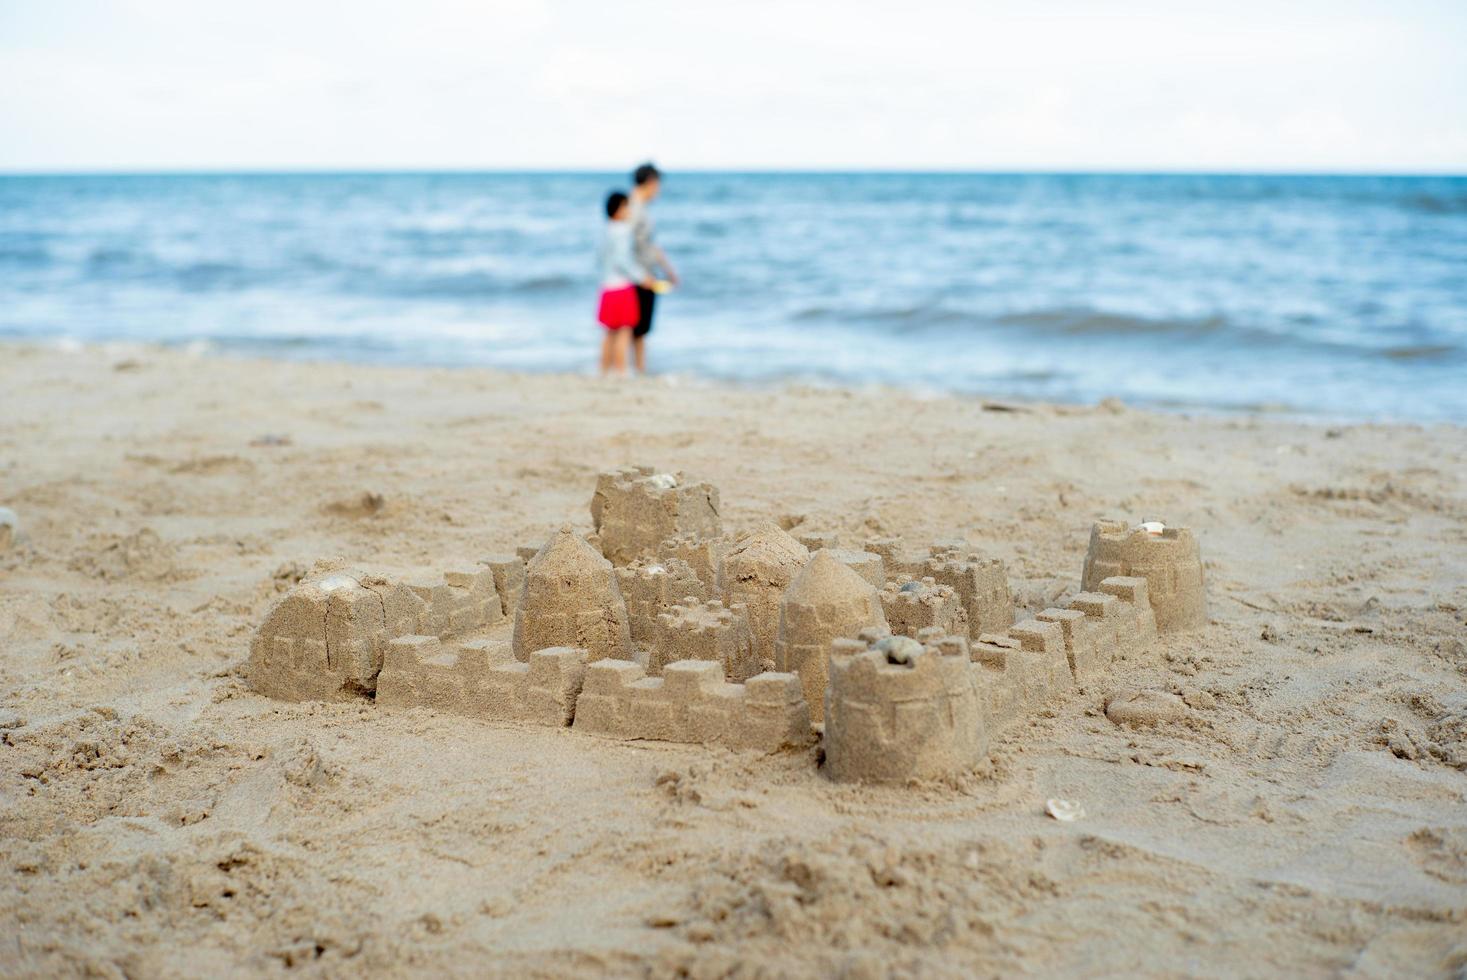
1306,814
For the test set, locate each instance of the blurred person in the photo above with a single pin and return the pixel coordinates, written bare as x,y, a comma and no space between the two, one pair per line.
622,276
646,184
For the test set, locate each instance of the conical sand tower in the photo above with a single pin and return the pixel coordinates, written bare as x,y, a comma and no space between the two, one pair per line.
571,599
756,572
825,602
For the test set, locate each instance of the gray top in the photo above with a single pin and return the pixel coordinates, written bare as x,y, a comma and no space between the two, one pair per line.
619,266
640,218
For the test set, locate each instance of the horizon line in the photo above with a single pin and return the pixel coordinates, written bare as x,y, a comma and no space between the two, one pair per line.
427,170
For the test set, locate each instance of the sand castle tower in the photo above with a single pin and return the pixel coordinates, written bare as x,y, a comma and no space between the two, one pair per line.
649,588
325,639
635,509
918,604
825,602
696,630
756,572
571,599
898,709
1166,557
981,582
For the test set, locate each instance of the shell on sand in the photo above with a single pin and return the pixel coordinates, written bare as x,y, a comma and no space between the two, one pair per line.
1065,811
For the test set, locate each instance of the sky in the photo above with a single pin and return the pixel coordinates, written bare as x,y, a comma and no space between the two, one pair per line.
1272,85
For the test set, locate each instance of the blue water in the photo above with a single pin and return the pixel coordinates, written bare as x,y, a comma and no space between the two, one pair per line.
1343,297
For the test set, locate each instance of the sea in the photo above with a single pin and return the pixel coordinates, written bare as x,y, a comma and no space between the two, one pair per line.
1327,297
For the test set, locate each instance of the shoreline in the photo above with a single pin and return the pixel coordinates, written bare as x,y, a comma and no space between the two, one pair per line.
160,817
203,348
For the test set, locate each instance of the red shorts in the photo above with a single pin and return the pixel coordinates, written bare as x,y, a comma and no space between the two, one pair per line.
619,308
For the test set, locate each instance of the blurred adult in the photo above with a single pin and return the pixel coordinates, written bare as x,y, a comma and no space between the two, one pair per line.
646,185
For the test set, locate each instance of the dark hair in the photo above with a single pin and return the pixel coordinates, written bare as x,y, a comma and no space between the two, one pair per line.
614,201
645,173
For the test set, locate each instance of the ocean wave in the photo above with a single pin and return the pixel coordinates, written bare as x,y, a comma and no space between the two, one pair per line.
1419,352
1061,320
1436,203
473,285
916,317
1086,321
24,255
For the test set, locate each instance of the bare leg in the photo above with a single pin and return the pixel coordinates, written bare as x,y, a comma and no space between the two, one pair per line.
639,353
621,340
608,342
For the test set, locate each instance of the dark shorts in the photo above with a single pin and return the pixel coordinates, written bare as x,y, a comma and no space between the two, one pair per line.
646,298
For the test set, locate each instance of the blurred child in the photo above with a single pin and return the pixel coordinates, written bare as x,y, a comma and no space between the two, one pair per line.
621,274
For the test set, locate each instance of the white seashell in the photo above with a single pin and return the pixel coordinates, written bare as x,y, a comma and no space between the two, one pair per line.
663,481
333,582
1153,527
10,531
1065,811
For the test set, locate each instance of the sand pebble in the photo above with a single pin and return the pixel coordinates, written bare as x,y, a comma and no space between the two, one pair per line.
900,649
1147,707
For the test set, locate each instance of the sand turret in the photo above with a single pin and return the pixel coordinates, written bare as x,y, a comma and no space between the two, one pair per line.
1166,557
899,708
702,555
918,604
756,571
650,587
571,599
981,582
825,602
635,509
694,630
325,640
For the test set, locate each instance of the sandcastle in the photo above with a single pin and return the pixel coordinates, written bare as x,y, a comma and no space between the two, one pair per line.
635,509
866,564
325,640
482,679
902,708
693,630
703,555
981,582
755,572
825,602
571,599
691,702
650,586
1167,557
455,601
674,639
509,579
914,605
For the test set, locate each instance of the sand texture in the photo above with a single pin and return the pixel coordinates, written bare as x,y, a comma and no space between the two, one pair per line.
1280,792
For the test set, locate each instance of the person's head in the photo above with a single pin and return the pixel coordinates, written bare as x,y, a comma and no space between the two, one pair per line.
616,206
648,181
